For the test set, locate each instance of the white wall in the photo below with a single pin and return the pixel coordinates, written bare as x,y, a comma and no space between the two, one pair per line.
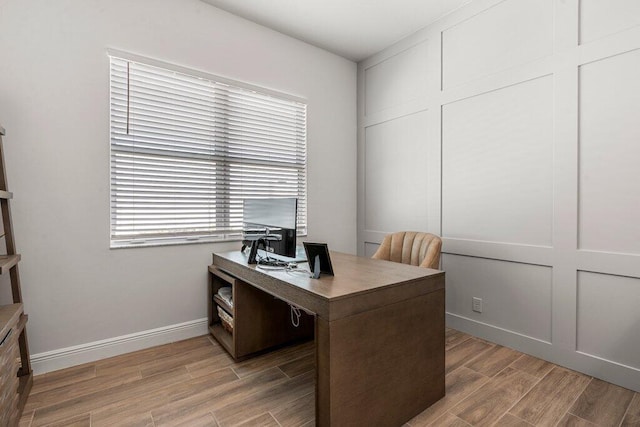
54,104
520,118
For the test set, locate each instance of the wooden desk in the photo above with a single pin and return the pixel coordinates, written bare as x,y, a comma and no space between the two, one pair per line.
379,333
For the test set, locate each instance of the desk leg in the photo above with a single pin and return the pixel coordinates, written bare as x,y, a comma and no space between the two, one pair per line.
381,367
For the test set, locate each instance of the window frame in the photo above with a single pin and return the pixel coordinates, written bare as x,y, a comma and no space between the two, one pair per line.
215,237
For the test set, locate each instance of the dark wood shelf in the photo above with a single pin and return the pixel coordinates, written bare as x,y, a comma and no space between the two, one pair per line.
9,316
223,337
8,261
221,274
223,304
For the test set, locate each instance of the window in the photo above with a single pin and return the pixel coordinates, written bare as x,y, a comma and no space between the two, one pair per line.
187,148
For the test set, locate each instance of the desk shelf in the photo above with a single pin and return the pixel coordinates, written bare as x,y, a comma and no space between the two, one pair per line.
217,280
260,321
222,336
223,304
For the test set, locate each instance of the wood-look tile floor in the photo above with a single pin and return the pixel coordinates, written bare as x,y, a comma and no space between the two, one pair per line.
195,383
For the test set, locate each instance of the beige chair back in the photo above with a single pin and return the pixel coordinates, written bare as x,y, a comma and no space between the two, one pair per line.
411,247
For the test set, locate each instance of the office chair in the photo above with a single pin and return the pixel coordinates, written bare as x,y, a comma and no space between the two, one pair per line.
411,247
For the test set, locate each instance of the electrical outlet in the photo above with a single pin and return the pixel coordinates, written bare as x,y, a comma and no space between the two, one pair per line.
476,305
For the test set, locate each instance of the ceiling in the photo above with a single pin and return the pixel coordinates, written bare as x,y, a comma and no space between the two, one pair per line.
354,29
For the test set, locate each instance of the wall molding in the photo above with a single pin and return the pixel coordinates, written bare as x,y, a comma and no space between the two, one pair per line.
575,79
90,352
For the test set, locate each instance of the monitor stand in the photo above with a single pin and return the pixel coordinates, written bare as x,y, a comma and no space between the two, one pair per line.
255,241
254,250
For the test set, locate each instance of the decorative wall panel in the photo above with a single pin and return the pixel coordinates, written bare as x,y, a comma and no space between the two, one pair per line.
396,80
600,18
609,194
510,33
608,317
497,171
514,296
395,174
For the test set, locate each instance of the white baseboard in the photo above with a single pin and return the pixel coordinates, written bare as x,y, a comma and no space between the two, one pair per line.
611,371
90,352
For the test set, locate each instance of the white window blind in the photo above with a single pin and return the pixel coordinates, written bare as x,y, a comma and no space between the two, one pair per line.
186,150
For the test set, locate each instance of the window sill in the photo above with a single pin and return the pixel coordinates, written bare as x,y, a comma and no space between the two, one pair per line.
174,241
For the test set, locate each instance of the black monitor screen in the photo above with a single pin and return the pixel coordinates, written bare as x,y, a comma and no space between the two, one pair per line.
275,217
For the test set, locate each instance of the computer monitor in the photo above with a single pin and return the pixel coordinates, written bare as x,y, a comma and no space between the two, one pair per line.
273,220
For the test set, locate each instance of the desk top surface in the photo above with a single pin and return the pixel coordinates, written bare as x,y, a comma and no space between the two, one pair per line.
353,274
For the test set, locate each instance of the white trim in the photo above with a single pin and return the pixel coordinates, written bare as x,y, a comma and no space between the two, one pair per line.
456,320
589,364
90,352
